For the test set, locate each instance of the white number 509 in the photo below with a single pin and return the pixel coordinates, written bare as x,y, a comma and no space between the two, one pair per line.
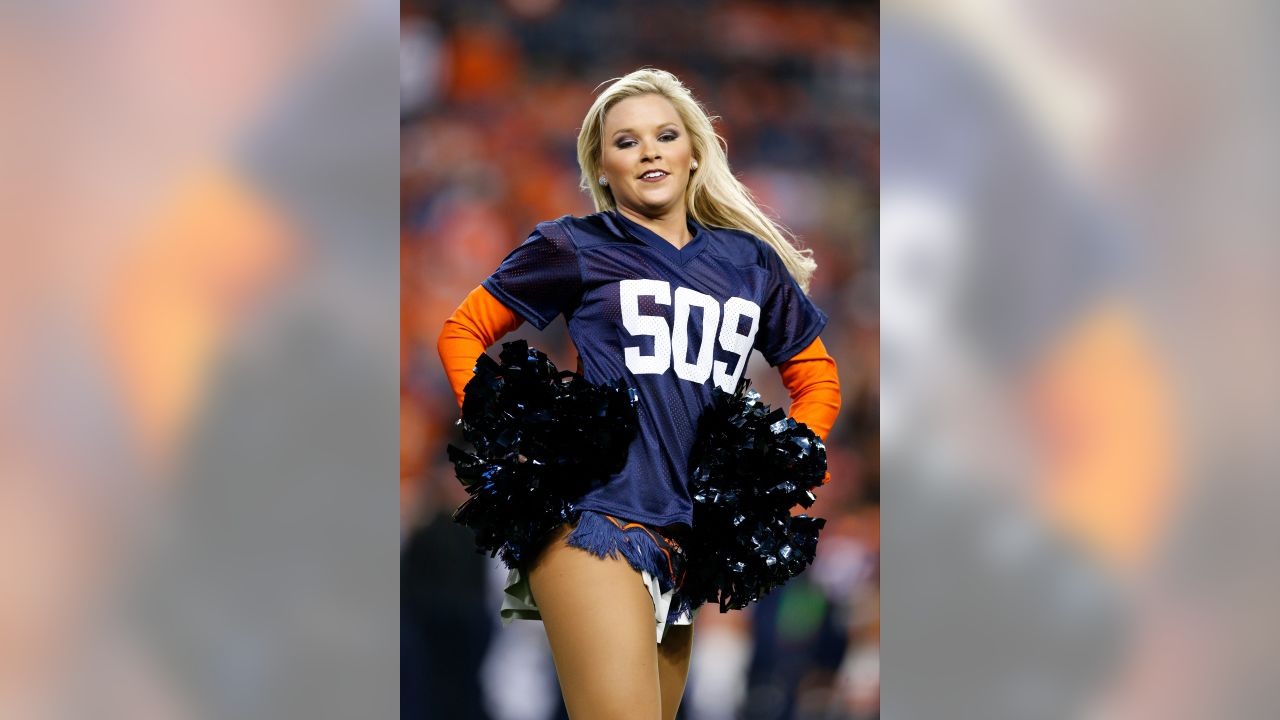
671,347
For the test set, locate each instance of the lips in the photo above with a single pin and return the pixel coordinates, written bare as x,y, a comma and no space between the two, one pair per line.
653,176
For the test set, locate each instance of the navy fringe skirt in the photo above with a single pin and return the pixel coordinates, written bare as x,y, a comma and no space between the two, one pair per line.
654,553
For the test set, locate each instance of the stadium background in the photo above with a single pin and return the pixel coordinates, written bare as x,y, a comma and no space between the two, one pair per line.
491,98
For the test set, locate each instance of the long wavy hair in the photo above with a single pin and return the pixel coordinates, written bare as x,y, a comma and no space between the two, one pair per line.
714,197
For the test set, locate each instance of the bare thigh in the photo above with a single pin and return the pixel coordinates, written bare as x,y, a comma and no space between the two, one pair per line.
599,621
673,667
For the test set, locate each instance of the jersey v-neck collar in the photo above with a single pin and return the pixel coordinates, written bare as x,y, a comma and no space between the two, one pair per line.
680,256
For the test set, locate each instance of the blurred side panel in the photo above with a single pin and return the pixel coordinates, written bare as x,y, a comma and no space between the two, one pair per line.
1079,394
198,359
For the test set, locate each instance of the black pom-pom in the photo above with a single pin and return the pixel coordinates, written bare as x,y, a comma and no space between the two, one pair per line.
542,439
751,466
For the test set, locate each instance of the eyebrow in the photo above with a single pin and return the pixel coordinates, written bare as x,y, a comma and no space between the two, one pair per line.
629,130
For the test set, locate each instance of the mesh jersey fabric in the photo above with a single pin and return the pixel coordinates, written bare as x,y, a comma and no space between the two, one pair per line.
810,376
672,322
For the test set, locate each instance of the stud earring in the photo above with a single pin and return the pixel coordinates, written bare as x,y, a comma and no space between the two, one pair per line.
603,181
694,166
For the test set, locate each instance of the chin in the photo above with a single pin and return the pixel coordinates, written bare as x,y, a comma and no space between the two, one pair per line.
658,204
655,211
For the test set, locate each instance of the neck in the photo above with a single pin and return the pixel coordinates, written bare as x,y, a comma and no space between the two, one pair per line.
672,227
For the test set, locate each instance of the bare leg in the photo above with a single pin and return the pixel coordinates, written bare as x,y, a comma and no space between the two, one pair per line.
599,621
673,667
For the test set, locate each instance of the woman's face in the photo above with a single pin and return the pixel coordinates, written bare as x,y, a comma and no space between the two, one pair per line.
645,155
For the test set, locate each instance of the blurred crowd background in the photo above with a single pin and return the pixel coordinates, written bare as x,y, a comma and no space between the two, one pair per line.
492,96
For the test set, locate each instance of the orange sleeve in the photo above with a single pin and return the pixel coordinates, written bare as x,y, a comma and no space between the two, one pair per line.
477,323
811,380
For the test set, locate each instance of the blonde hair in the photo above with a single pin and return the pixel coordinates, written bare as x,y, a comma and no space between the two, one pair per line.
714,196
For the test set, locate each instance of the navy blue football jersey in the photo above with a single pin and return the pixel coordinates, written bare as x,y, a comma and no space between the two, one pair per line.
672,323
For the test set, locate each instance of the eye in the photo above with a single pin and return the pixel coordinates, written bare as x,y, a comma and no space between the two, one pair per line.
624,143
668,136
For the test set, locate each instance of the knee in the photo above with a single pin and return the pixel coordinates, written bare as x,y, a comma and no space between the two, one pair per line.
617,707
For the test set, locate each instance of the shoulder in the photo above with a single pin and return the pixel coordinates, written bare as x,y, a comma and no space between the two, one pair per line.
553,230
554,237
579,233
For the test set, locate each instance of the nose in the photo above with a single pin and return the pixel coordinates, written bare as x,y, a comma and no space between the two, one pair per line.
649,151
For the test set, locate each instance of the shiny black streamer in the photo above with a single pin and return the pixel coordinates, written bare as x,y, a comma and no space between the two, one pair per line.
542,439
751,467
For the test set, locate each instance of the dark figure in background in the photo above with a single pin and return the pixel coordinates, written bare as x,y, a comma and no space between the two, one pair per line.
444,628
